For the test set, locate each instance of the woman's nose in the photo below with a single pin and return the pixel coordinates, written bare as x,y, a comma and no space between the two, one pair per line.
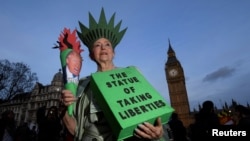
102,46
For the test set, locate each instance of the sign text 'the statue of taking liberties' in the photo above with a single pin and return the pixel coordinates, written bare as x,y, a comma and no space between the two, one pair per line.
128,99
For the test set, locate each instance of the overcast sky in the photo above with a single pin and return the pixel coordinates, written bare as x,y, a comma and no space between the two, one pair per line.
211,39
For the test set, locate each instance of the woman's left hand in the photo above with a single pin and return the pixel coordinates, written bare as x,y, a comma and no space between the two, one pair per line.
149,131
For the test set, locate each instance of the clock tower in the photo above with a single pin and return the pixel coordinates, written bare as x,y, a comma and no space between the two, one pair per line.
177,87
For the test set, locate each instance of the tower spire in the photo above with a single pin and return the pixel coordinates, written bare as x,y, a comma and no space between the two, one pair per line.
170,49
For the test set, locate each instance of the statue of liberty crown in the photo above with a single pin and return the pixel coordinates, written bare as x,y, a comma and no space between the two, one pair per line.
102,29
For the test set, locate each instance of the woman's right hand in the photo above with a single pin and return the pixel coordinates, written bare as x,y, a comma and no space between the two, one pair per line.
67,97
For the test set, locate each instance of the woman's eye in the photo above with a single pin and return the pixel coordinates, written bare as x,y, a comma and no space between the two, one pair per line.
97,45
108,44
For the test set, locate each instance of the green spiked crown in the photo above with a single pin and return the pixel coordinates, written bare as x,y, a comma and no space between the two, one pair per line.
102,29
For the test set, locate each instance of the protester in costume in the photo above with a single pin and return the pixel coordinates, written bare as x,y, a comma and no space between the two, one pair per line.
88,121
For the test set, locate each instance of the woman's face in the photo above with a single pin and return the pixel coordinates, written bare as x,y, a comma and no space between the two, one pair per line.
102,51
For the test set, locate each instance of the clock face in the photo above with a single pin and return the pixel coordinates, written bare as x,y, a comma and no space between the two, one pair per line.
173,72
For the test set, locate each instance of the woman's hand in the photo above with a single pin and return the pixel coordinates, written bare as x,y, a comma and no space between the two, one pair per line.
67,97
149,131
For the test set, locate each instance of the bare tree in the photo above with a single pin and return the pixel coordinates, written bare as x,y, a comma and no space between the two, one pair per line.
15,78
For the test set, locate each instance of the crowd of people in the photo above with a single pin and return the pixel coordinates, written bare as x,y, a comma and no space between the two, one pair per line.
48,128
51,128
207,119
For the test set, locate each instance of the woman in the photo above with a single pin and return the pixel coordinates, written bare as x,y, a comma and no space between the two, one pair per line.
88,121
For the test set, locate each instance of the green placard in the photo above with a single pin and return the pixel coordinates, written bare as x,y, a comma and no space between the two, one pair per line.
128,99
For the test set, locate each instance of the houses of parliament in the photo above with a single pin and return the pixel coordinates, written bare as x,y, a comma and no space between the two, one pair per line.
25,105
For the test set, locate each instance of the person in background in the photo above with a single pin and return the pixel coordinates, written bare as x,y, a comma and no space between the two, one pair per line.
7,126
33,133
41,121
53,124
243,117
49,124
88,122
177,128
205,121
23,133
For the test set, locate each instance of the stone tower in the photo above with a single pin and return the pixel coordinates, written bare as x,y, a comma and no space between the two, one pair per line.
177,87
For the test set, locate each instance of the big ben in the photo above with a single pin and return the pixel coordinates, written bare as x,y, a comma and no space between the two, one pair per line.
177,87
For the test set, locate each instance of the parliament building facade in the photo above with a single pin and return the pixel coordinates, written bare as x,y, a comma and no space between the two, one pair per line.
25,105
